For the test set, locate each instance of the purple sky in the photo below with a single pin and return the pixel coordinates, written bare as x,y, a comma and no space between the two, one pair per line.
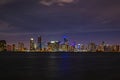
81,20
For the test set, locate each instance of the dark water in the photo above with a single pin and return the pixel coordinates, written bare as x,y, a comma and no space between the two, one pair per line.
60,66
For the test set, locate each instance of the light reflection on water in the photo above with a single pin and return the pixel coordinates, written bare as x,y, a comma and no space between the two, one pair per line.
61,67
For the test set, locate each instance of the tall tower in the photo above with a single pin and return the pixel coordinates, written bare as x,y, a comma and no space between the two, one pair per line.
65,39
20,46
40,43
13,47
66,43
31,44
3,45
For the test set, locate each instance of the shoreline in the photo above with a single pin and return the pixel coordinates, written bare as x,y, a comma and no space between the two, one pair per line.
60,54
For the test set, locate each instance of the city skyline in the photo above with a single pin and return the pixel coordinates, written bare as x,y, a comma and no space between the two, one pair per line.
82,21
66,45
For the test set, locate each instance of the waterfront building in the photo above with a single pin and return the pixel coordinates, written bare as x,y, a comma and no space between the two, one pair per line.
119,48
32,44
53,46
92,47
20,46
13,47
65,40
35,46
66,43
78,46
115,48
44,46
71,47
3,45
62,47
9,48
39,43
82,48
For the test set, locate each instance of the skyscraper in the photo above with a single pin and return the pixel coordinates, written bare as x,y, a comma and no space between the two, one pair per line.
92,47
9,48
40,43
31,44
2,45
65,39
53,46
66,43
13,47
20,46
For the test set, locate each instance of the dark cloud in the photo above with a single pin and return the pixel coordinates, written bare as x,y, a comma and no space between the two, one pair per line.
3,2
58,2
59,16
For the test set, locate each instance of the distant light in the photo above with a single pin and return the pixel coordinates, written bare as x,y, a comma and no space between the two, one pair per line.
64,36
56,41
35,45
61,42
107,44
28,50
52,42
79,44
73,44
31,39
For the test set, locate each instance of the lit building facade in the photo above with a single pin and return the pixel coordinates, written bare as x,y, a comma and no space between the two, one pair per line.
53,46
9,48
2,45
66,44
92,47
39,43
13,47
32,44
20,46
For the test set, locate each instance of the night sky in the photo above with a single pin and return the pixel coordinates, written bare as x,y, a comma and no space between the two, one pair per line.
82,21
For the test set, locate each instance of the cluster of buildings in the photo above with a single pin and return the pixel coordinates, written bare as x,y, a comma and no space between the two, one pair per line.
58,46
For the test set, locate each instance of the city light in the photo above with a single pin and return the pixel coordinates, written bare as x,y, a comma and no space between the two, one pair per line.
58,46
31,39
52,41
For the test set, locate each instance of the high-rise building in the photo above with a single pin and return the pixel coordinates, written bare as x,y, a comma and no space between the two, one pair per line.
20,46
35,46
66,43
72,46
9,48
31,44
13,47
78,46
53,46
92,47
119,48
2,45
40,43
65,39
